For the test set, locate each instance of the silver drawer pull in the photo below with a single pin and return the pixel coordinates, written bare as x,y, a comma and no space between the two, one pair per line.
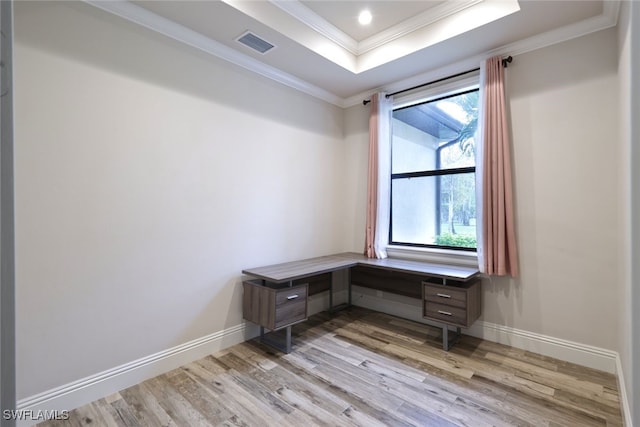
444,295
293,296
446,313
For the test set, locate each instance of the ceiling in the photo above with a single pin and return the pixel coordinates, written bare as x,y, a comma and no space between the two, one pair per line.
321,49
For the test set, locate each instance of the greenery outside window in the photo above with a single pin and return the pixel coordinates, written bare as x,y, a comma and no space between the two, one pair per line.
433,172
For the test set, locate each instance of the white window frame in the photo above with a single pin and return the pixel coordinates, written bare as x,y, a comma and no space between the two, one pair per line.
449,256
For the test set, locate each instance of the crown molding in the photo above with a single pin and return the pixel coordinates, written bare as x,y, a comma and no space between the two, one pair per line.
312,20
608,19
611,9
166,27
414,23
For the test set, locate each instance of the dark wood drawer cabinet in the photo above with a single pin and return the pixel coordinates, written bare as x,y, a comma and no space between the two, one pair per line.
274,307
458,306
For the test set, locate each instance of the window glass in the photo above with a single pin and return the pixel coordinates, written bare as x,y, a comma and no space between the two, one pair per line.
433,172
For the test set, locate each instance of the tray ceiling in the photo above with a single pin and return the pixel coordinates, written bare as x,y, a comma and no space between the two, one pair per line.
322,50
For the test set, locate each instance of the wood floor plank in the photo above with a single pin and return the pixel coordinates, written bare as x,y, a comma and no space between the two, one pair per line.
478,401
258,390
357,408
199,398
404,388
384,391
316,414
436,401
422,417
485,392
214,383
88,415
443,364
315,391
107,414
82,416
173,403
246,401
356,416
146,407
125,413
298,400
362,394
478,346
362,368
553,379
588,406
455,362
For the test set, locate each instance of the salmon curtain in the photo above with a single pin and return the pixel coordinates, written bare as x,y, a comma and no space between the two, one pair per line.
497,252
379,178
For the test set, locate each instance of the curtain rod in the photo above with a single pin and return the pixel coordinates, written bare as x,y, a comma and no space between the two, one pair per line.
505,62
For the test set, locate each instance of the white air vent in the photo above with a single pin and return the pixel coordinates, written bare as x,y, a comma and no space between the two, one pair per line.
254,42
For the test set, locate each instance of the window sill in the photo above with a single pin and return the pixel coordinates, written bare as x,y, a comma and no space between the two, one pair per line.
443,256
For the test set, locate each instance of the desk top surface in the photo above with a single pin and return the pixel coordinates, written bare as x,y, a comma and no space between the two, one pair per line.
294,270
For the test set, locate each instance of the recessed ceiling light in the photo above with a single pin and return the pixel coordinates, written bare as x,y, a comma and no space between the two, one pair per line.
365,17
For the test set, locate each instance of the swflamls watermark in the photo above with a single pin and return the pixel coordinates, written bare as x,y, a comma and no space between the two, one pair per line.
33,415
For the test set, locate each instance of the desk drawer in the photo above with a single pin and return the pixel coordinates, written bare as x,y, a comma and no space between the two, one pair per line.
445,313
291,306
291,295
445,295
453,305
274,307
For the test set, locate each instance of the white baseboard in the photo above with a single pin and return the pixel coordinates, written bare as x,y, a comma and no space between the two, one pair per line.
94,387
410,308
624,399
570,351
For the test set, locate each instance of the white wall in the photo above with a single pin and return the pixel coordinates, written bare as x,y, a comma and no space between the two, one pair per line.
7,252
148,175
625,117
564,103
635,184
634,112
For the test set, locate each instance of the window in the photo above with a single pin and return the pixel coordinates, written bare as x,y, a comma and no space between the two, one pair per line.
433,172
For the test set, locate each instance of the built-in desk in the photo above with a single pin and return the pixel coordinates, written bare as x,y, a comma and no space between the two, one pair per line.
276,298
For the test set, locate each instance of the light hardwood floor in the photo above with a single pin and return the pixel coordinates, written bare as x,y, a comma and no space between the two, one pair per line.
362,368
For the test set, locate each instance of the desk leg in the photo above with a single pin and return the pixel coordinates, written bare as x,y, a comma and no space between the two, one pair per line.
288,340
445,338
341,306
446,345
333,275
349,284
268,340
